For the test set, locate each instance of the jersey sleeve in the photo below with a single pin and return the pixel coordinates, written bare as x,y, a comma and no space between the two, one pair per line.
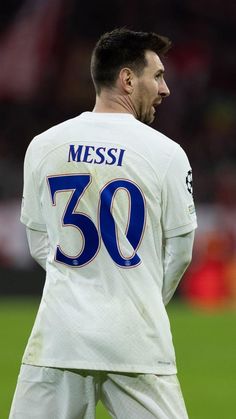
31,212
178,211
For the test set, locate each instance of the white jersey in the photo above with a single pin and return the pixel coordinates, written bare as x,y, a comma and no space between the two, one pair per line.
108,190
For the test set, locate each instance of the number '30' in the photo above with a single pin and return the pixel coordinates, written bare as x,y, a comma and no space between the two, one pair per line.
78,183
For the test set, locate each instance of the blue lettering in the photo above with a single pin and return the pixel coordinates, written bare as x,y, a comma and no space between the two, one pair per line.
87,154
75,155
122,152
91,154
110,154
100,155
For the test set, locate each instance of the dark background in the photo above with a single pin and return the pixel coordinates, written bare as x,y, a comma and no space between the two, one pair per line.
45,49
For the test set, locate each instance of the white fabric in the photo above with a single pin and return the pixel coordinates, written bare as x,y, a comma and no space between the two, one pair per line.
38,245
177,256
101,315
43,392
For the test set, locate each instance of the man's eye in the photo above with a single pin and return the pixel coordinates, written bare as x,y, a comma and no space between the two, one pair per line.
159,77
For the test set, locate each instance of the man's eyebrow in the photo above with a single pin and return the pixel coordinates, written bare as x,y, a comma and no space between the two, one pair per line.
160,71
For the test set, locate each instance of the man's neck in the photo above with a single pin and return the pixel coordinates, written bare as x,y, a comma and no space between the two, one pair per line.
108,102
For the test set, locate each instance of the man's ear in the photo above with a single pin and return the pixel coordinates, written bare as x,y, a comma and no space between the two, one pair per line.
126,78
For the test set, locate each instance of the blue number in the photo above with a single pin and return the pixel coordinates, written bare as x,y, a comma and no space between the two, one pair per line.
136,221
78,184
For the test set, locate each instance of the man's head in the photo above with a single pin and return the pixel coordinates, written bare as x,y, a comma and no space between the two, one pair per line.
131,61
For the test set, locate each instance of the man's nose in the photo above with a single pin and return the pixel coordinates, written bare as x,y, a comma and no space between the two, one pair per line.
164,90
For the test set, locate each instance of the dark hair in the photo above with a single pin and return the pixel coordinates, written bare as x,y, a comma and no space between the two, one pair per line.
123,48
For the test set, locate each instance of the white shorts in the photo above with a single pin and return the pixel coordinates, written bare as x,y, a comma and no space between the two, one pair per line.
51,393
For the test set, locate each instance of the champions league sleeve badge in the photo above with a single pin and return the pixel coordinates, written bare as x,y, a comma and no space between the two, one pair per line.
189,181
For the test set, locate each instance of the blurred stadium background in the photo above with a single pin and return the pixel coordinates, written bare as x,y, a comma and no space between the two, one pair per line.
45,49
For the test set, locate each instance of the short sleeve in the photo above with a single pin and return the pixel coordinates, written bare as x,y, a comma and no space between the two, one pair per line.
31,213
178,211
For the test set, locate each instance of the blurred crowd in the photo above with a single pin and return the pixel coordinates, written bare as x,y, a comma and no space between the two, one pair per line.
45,49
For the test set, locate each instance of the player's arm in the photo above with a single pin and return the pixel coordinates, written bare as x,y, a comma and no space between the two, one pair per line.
178,221
177,257
31,210
38,246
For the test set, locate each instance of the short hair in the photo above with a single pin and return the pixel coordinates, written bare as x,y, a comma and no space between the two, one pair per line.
123,48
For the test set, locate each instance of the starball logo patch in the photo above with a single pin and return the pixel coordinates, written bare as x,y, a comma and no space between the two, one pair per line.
189,181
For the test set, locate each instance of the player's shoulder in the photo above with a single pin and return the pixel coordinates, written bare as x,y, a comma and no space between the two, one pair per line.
52,133
157,140
160,150
47,140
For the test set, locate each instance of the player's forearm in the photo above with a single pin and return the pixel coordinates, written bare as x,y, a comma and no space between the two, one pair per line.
38,246
177,257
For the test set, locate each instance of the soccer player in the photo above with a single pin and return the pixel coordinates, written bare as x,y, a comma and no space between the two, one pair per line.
109,215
